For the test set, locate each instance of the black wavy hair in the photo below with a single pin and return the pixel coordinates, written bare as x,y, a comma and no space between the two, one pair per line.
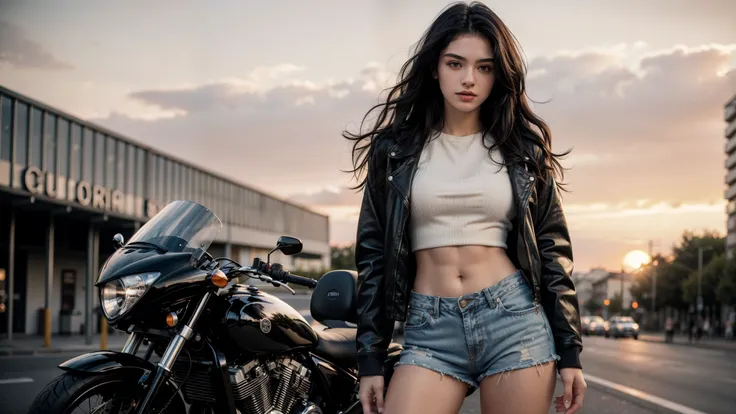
415,105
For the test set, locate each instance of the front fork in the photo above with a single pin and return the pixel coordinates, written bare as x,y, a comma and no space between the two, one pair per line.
163,369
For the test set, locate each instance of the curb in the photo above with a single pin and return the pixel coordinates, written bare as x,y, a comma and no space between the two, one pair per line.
699,346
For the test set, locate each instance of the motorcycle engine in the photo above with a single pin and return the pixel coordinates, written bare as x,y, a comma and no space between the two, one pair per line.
273,387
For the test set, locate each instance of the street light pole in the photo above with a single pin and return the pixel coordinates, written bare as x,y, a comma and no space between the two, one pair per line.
654,289
654,279
700,277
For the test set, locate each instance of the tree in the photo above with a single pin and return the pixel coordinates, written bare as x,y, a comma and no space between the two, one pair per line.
670,277
677,277
593,307
726,289
615,305
641,289
343,257
686,253
712,274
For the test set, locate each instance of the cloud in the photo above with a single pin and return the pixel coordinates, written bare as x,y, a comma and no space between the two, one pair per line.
329,197
267,127
18,50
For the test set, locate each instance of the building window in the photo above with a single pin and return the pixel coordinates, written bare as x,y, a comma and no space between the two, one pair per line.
6,123
110,162
176,181
170,182
215,199
49,137
130,170
161,180
120,161
88,158
75,172
62,146
100,161
198,196
190,184
36,146
141,172
21,134
184,183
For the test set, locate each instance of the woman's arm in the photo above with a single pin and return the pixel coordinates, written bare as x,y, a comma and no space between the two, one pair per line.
559,297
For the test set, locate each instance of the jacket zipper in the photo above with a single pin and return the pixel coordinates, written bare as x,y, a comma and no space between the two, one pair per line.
403,224
525,205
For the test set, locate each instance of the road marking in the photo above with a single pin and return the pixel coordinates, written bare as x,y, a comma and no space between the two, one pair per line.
678,408
15,381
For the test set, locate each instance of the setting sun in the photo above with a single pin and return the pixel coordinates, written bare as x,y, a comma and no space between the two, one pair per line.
636,259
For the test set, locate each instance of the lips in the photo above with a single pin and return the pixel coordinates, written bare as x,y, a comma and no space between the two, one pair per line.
466,94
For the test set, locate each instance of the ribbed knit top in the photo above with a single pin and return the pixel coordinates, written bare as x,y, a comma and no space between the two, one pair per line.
460,195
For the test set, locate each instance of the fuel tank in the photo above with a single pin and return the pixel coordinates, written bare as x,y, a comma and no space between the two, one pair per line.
260,323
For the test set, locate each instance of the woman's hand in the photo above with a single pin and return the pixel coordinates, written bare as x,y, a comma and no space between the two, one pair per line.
572,398
371,394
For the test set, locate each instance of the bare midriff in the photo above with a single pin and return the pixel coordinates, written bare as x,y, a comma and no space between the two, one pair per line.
458,270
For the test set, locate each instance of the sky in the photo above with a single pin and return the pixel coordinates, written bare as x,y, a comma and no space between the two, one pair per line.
636,89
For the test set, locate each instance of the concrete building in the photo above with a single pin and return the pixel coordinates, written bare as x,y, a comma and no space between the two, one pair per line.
730,118
67,186
584,282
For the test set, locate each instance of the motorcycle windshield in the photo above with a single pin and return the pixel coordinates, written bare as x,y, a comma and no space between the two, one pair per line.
181,226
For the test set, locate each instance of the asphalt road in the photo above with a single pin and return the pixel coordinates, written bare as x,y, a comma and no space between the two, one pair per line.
659,377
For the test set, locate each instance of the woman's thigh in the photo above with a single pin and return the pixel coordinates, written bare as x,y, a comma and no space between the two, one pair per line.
523,391
414,389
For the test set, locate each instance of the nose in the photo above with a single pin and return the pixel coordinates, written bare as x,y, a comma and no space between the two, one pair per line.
469,79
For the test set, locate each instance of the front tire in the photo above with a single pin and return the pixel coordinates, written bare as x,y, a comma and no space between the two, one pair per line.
70,391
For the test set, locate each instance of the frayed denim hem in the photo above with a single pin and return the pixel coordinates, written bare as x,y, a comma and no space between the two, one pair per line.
520,365
433,369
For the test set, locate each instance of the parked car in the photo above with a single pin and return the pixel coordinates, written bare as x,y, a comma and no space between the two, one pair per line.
622,326
593,325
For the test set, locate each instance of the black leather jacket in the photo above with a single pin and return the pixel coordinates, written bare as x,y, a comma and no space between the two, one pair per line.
539,245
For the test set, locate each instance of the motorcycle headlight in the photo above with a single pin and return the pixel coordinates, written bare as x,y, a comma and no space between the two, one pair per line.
119,295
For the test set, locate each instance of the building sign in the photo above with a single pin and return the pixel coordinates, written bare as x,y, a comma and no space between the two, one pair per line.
38,182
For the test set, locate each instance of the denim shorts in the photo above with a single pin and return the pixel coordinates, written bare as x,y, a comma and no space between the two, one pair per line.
479,334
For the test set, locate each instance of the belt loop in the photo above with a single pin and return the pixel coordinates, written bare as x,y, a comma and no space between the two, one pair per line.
489,298
436,310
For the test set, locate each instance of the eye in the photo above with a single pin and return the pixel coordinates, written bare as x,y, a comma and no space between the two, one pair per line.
486,68
453,64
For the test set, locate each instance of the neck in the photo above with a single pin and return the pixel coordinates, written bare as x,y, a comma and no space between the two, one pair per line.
461,123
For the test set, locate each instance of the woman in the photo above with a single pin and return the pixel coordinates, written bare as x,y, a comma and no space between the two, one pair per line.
462,235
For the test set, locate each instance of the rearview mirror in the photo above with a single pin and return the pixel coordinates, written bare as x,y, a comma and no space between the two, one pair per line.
289,245
118,241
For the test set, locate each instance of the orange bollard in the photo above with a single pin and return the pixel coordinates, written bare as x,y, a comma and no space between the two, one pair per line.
103,333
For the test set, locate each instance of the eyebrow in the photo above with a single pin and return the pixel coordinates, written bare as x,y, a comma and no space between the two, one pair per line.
458,57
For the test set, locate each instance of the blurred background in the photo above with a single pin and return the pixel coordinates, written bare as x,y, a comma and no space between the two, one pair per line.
112,109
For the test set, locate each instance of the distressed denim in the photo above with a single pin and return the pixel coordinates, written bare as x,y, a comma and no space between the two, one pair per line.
479,334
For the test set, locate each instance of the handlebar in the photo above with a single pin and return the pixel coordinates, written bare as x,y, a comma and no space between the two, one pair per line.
287,277
273,274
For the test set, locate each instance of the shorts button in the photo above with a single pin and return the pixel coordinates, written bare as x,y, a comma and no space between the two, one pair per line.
463,303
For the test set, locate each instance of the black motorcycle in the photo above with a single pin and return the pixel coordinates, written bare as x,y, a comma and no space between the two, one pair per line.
214,346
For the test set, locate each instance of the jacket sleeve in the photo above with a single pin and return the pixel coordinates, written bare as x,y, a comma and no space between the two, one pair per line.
559,297
374,328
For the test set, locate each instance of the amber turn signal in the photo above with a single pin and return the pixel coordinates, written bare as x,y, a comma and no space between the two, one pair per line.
172,320
219,279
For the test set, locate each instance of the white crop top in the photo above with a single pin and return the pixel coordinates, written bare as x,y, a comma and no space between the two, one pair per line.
459,195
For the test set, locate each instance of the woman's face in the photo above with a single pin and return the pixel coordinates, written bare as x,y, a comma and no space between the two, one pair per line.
465,73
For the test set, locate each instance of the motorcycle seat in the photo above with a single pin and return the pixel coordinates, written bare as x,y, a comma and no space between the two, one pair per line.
337,345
